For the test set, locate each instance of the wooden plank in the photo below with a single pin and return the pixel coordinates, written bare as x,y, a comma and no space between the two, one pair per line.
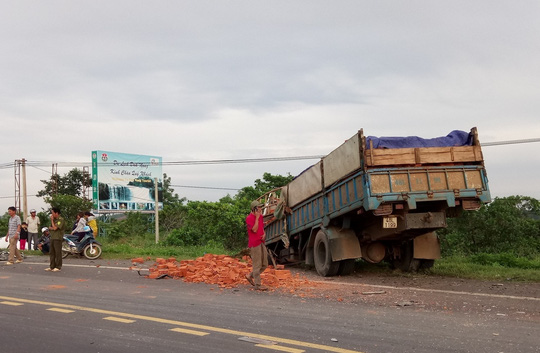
383,157
458,154
425,155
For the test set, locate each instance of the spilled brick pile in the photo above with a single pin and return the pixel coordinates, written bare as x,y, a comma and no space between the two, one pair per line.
223,270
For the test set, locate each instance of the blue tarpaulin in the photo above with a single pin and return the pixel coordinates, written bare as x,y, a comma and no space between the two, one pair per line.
455,138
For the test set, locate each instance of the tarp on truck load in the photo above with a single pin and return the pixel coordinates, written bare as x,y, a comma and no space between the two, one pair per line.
453,139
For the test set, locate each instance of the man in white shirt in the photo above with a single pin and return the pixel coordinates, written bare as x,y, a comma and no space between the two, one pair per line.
14,231
33,226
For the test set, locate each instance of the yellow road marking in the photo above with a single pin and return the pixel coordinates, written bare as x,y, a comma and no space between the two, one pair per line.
66,311
190,332
11,303
119,319
190,325
280,348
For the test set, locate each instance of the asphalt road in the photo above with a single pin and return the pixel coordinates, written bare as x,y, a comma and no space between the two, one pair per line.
103,307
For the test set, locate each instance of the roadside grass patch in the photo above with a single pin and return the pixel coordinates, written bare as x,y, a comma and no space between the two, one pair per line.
143,246
488,267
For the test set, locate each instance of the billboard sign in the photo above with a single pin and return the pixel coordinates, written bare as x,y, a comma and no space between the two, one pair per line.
124,182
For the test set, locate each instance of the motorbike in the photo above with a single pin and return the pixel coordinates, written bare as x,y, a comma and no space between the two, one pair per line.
4,254
87,246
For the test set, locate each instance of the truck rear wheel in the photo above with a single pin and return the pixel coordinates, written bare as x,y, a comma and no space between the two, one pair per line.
322,256
426,264
346,267
406,262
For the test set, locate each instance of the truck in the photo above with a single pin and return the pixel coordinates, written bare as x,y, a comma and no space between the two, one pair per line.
376,199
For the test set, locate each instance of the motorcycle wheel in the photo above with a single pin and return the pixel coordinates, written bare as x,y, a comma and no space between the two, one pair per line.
93,252
65,249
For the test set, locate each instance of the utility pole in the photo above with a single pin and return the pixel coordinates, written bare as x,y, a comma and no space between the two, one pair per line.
17,170
156,208
25,196
85,189
55,178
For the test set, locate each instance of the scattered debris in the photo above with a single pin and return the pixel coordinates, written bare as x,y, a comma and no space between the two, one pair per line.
334,340
257,340
405,303
374,292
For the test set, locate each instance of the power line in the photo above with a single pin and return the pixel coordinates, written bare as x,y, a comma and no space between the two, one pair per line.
510,142
12,196
243,160
203,187
36,164
43,170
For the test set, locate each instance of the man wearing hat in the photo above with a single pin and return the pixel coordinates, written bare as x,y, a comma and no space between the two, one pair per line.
33,226
259,254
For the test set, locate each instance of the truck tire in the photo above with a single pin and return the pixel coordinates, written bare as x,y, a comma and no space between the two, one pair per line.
322,256
346,267
406,262
426,264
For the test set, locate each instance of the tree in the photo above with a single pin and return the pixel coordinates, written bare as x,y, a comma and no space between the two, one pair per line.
69,205
223,222
169,196
66,193
73,183
507,225
211,222
268,182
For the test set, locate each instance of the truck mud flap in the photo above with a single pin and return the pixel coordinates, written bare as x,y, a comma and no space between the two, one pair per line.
427,246
343,244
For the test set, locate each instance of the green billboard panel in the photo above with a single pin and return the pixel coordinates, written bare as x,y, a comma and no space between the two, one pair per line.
125,182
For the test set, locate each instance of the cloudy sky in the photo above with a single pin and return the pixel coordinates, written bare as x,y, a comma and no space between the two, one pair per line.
207,80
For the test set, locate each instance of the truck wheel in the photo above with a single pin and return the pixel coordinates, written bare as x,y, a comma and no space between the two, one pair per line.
322,257
406,262
346,267
426,264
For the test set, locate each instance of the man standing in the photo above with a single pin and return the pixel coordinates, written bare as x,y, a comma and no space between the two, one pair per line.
33,226
259,254
14,230
57,229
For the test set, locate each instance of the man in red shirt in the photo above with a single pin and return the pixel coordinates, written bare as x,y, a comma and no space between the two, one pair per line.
259,254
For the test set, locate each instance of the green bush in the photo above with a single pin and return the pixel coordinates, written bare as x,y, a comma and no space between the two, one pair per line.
211,222
507,225
185,236
133,225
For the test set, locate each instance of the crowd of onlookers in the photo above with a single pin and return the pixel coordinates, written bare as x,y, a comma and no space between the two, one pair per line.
27,233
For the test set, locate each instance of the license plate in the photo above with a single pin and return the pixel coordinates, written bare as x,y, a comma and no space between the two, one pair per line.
390,222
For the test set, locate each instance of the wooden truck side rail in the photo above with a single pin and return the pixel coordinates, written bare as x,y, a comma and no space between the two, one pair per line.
389,157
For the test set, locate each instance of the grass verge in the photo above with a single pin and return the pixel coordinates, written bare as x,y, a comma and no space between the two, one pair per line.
472,267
